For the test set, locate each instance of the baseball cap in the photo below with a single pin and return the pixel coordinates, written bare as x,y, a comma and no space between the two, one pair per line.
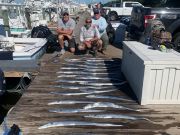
65,13
96,11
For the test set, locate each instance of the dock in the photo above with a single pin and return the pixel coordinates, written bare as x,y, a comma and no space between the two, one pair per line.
35,108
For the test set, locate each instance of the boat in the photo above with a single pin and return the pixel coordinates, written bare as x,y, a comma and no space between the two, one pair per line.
13,19
23,48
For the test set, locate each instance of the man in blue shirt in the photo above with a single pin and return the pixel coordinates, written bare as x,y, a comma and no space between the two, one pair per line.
101,24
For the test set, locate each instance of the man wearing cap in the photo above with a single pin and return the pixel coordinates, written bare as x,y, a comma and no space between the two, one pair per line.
101,24
90,38
65,30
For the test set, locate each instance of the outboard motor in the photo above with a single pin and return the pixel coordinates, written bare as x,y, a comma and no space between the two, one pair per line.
2,82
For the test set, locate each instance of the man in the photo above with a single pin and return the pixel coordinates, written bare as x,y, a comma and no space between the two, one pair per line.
65,30
90,37
101,24
101,9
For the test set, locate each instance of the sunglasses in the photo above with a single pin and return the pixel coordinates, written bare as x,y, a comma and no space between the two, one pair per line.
88,21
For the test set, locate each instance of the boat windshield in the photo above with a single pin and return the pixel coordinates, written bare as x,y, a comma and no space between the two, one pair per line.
13,13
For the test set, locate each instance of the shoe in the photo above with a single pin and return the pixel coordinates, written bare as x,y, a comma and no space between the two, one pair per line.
87,52
101,51
62,52
94,54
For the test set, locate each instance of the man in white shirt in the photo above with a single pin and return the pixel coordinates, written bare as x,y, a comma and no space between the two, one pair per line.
90,37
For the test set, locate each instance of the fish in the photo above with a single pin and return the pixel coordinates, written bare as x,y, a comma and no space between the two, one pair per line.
109,64
64,75
103,84
74,110
69,102
116,116
99,60
94,66
74,65
75,87
98,70
74,81
68,72
98,78
100,67
96,59
77,123
108,97
85,73
98,91
71,68
73,60
80,93
108,104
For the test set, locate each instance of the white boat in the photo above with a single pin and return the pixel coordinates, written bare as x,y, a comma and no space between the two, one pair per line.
13,17
23,48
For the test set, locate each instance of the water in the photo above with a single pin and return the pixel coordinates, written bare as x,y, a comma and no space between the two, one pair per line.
11,97
7,101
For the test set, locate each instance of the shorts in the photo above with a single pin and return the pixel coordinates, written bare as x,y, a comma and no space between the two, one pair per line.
71,42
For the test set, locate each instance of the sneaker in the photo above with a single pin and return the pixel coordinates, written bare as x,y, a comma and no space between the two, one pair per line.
62,52
87,52
101,51
94,54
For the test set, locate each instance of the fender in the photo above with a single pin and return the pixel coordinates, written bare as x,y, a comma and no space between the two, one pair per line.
114,12
174,26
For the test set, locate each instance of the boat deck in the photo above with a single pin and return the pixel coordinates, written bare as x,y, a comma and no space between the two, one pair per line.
33,111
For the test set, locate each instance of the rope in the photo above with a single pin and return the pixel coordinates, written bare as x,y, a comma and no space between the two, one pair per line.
22,85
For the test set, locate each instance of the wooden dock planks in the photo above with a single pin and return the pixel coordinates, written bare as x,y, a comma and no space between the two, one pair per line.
32,110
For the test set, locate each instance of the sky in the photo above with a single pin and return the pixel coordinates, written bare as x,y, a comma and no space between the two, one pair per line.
81,1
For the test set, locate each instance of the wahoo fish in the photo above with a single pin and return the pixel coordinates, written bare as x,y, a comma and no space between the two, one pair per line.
81,93
73,81
116,116
102,84
74,87
84,73
109,64
98,70
69,102
72,65
61,76
98,78
107,104
71,68
74,110
73,60
98,91
99,67
99,60
76,123
108,97
68,72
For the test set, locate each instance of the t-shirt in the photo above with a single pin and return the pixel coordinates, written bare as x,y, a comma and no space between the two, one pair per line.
101,24
70,24
88,34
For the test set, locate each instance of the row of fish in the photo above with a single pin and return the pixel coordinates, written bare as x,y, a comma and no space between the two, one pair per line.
83,76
